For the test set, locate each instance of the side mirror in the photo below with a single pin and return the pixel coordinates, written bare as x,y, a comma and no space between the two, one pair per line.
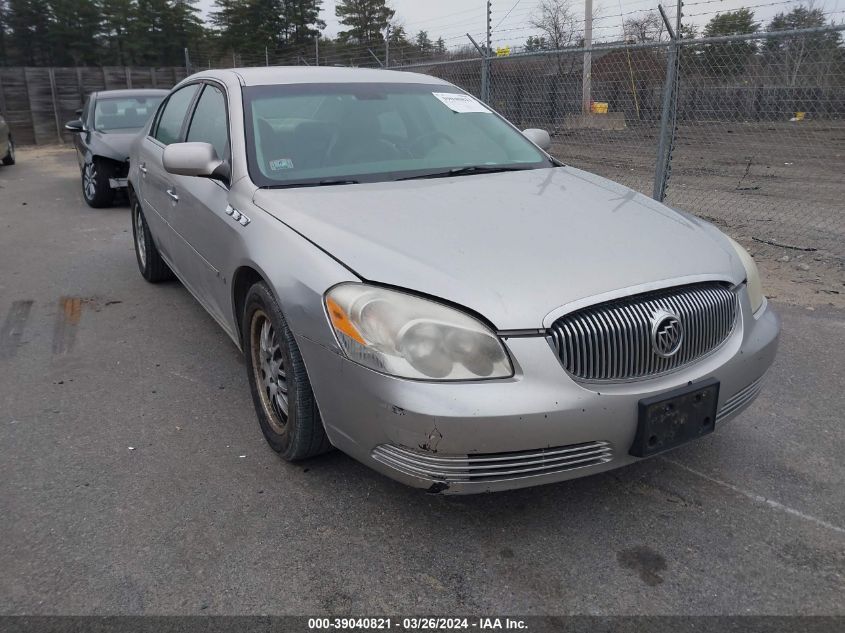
75,126
540,138
195,159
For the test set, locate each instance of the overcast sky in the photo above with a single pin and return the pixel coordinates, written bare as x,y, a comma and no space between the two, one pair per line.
451,19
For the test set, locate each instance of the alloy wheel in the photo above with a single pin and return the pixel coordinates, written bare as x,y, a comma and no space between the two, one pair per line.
270,375
89,180
140,237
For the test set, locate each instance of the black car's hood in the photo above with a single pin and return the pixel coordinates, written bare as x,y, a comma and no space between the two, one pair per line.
114,145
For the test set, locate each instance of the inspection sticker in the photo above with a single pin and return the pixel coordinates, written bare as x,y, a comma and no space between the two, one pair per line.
460,102
281,163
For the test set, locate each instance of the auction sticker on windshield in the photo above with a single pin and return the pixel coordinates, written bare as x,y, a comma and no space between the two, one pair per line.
460,103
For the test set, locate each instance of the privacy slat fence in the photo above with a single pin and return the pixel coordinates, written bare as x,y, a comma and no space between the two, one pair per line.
38,101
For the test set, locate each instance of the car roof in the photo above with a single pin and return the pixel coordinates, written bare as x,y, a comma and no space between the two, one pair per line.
274,75
132,92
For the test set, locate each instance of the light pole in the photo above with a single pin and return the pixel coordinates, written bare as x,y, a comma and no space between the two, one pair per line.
586,84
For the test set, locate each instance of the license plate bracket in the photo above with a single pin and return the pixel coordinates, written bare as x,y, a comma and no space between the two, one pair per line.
675,418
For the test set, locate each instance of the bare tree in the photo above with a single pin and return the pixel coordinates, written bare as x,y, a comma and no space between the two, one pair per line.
559,25
645,28
558,22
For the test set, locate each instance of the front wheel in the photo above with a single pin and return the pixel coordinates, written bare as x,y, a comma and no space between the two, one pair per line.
95,184
153,268
281,391
9,158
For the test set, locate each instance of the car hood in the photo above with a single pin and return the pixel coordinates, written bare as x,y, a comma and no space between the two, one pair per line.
115,145
514,247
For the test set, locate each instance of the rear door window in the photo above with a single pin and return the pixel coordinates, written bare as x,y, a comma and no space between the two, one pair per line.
170,122
209,123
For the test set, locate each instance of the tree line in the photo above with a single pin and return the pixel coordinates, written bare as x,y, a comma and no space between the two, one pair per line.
809,59
247,32
157,32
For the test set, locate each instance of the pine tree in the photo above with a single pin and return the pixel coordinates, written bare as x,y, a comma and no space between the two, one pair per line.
29,28
366,19
729,58
423,42
72,31
3,52
808,60
302,21
117,16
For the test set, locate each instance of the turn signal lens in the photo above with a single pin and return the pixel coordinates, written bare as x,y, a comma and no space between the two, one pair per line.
753,285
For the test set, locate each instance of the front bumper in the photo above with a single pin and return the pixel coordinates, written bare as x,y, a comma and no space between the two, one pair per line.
538,427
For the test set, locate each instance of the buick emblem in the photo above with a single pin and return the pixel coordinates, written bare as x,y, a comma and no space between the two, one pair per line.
667,333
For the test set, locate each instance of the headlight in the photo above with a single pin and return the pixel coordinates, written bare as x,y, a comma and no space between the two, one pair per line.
410,337
755,288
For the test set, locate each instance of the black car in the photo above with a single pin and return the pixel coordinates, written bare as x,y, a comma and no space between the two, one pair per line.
104,131
7,145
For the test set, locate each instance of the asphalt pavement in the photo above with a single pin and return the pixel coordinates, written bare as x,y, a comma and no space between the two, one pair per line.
134,478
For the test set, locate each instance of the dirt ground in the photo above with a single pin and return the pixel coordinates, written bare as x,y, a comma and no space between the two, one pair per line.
776,187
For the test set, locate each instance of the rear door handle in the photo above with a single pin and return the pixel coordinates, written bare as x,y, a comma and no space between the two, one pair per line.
143,168
173,196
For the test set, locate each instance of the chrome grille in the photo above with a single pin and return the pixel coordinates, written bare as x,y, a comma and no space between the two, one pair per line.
494,466
612,341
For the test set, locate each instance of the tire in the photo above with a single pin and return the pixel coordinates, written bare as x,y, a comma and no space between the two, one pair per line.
153,268
9,158
281,391
95,184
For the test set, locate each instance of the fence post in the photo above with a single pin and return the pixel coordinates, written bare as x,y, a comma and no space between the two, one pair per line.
52,74
485,63
667,115
485,78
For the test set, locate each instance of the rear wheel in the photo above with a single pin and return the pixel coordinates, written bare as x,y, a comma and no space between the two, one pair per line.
9,158
281,391
153,268
95,184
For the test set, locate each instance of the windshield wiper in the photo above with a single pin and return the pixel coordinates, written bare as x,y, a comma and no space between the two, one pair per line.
466,171
316,183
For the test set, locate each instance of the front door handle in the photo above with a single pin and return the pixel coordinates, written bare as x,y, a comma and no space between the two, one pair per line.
173,196
143,168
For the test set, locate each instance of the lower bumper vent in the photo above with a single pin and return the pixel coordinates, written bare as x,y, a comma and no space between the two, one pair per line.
741,399
493,466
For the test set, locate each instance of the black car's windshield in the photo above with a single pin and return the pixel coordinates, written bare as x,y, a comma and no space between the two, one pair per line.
124,114
313,134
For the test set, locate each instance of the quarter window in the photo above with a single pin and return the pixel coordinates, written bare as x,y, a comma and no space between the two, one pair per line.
209,124
173,115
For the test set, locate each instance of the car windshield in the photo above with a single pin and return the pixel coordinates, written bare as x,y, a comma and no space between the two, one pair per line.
312,134
124,113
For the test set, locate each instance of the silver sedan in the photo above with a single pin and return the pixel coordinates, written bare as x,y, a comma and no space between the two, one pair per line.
416,282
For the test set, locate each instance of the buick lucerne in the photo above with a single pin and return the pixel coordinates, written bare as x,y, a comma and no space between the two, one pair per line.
414,281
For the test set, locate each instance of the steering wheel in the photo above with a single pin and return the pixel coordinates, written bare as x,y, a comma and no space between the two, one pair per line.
428,141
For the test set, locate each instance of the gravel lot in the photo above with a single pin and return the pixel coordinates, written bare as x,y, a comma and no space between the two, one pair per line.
775,181
134,478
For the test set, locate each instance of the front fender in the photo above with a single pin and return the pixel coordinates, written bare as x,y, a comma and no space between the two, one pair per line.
297,272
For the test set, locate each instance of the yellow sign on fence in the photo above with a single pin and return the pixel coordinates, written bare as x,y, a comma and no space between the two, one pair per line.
598,107
503,51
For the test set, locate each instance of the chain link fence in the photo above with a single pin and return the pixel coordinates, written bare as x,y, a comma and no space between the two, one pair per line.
755,130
